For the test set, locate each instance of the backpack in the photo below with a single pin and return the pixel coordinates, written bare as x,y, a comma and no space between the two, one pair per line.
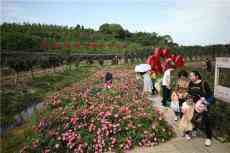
210,99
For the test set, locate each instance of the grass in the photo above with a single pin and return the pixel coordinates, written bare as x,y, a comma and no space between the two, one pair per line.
12,141
16,99
14,138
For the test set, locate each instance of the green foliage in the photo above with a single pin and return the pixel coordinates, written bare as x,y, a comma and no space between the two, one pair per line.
94,91
12,141
16,99
210,51
30,36
86,136
220,117
19,41
115,29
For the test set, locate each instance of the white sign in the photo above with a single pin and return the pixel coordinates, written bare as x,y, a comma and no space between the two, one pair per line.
222,79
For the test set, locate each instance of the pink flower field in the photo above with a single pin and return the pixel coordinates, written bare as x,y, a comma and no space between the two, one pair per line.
87,118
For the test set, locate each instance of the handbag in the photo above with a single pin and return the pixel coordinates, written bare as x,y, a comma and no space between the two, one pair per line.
210,99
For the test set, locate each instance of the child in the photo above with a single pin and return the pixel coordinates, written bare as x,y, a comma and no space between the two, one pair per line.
201,105
186,125
200,109
175,105
108,80
182,86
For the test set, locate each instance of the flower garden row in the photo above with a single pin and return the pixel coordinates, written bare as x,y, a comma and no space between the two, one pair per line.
88,118
55,45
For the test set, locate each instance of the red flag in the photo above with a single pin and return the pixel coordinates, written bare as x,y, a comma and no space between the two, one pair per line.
77,45
165,53
66,45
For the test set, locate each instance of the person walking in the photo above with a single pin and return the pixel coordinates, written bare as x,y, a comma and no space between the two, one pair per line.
143,73
148,85
208,65
166,84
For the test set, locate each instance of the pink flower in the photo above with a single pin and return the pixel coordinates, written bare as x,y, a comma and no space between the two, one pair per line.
73,120
35,144
46,151
101,113
66,125
43,124
116,115
108,113
124,110
114,140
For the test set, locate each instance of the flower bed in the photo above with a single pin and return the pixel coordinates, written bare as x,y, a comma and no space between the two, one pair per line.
89,118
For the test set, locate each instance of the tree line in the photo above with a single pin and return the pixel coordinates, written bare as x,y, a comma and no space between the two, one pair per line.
26,36
27,61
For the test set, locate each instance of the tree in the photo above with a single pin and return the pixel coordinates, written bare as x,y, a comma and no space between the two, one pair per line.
167,38
115,29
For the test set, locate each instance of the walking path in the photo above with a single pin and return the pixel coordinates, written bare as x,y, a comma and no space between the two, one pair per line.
180,144
168,113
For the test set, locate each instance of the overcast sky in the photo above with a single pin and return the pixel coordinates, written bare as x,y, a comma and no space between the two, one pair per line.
194,22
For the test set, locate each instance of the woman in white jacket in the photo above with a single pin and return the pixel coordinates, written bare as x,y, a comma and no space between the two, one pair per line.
147,83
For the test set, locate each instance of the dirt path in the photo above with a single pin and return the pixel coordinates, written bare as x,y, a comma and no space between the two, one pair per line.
180,145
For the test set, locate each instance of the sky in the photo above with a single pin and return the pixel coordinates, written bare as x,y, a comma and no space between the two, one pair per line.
189,22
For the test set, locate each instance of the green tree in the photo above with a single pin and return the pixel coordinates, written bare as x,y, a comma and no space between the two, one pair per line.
115,29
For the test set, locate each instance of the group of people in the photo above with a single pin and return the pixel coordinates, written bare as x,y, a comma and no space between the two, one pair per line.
190,99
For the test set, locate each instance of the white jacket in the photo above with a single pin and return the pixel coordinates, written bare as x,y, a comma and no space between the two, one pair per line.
166,81
148,85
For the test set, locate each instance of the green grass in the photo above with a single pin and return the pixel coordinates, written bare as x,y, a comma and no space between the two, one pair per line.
14,138
16,98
